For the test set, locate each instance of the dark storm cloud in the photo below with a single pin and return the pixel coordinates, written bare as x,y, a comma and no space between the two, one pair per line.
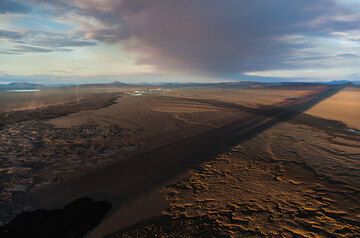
9,6
209,36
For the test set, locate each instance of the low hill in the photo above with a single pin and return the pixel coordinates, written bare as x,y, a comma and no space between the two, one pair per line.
20,85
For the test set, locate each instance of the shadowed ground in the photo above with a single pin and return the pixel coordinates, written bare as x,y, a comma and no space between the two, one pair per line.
73,221
299,178
125,180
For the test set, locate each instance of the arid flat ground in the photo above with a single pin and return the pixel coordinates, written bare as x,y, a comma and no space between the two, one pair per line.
17,101
302,184
253,97
189,163
344,106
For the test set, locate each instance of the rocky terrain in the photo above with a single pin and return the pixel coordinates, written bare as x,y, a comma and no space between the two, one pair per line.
296,179
35,153
189,164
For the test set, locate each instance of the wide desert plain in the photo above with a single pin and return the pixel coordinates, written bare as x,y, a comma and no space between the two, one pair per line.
191,162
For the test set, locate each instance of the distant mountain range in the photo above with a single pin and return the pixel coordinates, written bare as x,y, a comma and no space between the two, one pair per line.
117,83
239,84
344,82
21,85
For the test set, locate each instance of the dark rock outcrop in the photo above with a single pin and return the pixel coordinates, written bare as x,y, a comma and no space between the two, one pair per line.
74,220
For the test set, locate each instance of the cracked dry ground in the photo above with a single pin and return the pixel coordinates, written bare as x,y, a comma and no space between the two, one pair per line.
293,180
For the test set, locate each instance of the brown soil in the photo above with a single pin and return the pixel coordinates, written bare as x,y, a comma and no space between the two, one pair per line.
259,166
296,184
299,178
253,97
344,107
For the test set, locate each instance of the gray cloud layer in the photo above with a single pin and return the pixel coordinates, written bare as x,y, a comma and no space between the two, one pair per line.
41,42
210,36
9,34
11,6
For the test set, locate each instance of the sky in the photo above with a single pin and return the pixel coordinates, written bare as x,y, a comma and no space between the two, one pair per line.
79,41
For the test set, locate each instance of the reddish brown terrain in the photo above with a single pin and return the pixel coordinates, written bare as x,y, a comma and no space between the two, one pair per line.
189,162
343,106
